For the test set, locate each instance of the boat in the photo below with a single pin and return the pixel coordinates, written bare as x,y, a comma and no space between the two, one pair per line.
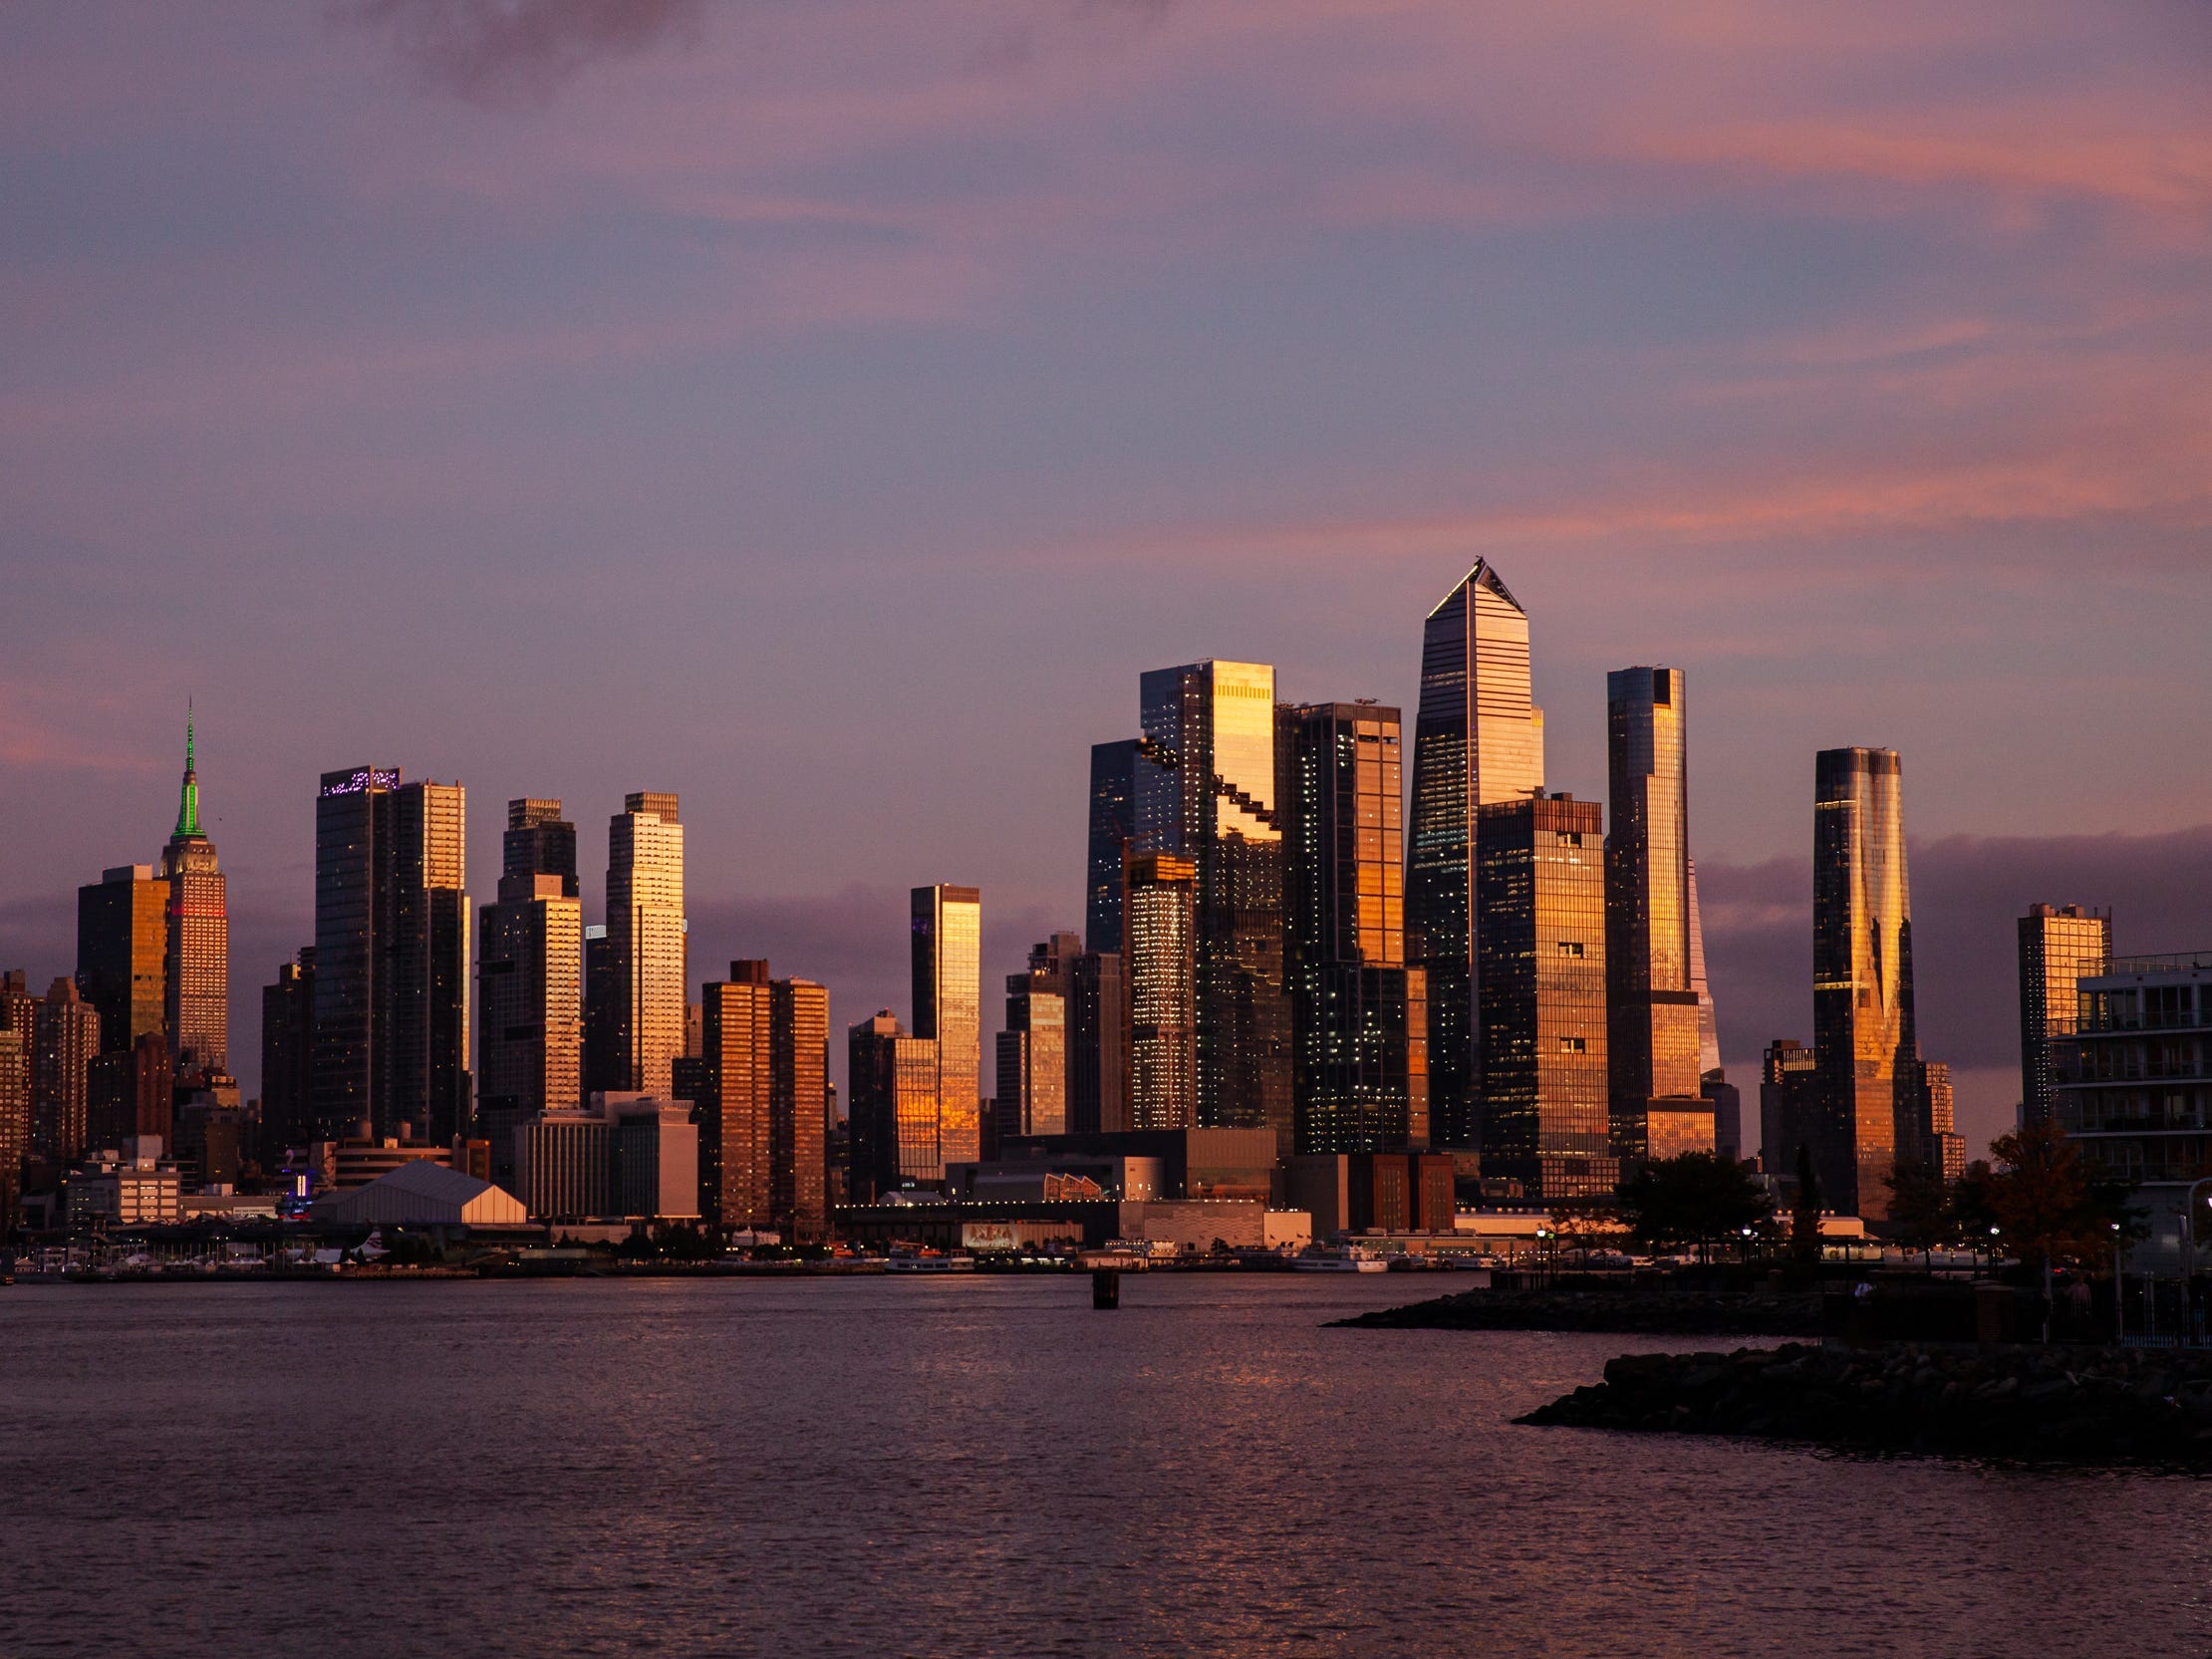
1347,1259
909,1261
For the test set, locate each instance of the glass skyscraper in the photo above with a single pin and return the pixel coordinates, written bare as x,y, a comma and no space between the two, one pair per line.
2060,946
647,959
1359,1028
1651,996
946,939
1478,740
1862,1008
196,954
1541,888
392,1003
1160,969
1113,825
1206,788
122,953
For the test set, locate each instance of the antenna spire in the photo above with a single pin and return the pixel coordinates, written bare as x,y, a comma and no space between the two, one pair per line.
188,805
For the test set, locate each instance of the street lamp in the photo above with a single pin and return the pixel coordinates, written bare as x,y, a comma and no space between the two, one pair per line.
2120,1304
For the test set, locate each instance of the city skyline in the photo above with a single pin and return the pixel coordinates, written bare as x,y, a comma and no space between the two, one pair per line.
1853,392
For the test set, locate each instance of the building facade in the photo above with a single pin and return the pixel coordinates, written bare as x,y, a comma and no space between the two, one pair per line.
1788,1106
66,1034
391,1036
1653,1048
1111,831
530,975
946,936
646,953
196,943
1862,1001
1206,788
2060,947
1160,969
1032,1050
1358,1015
1541,892
798,1102
287,1054
2132,1087
123,953
1478,742
735,1184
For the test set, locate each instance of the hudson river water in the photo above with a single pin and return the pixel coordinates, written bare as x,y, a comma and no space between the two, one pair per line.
974,1466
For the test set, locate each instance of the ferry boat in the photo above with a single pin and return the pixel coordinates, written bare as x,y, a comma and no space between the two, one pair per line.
911,1262
1347,1259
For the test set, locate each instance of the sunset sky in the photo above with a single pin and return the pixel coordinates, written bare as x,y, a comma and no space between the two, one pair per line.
825,410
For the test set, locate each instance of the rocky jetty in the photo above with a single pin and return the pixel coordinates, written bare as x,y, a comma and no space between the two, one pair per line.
2079,1405
1633,1312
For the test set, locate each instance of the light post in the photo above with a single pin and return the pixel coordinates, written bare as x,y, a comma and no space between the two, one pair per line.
1543,1274
2119,1303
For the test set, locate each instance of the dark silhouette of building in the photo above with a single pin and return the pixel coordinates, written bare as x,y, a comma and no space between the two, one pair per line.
390,1028
287,1055
122,952
1113,826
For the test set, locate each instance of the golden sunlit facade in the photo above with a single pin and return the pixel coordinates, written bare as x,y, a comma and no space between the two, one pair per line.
2060,946
947,934
196,949
1862,1005
647,947
737,1188
1206,793
123,953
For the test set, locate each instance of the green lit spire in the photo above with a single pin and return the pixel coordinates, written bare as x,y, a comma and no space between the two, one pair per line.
188,806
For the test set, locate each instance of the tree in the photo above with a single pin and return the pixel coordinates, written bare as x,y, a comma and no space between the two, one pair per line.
1695,1197
1920,1208
2042,1197
1804,1210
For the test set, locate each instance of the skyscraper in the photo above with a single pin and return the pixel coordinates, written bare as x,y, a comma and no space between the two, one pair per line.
429,954
1113,825
892,1109
798,1092
1478,740
287,1056
736,1182
391,937
1862,1010
15,1119
2060,946
1359,1026
646,941
1541,888
1653,1044
1788,1106
1097,1042
122,952
66,1041
1159,957
945,938
196,946
539,842
1206,788
530,980
1032,1051
602,1071
762,1118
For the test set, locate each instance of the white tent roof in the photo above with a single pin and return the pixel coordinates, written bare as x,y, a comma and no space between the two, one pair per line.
422,1194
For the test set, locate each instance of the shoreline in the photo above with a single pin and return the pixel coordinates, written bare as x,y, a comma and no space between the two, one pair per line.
1620,1313
2108,1407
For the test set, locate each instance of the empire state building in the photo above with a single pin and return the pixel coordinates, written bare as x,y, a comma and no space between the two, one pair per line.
198,960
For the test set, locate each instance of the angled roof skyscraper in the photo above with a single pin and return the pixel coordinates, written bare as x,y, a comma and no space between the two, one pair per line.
1478,740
